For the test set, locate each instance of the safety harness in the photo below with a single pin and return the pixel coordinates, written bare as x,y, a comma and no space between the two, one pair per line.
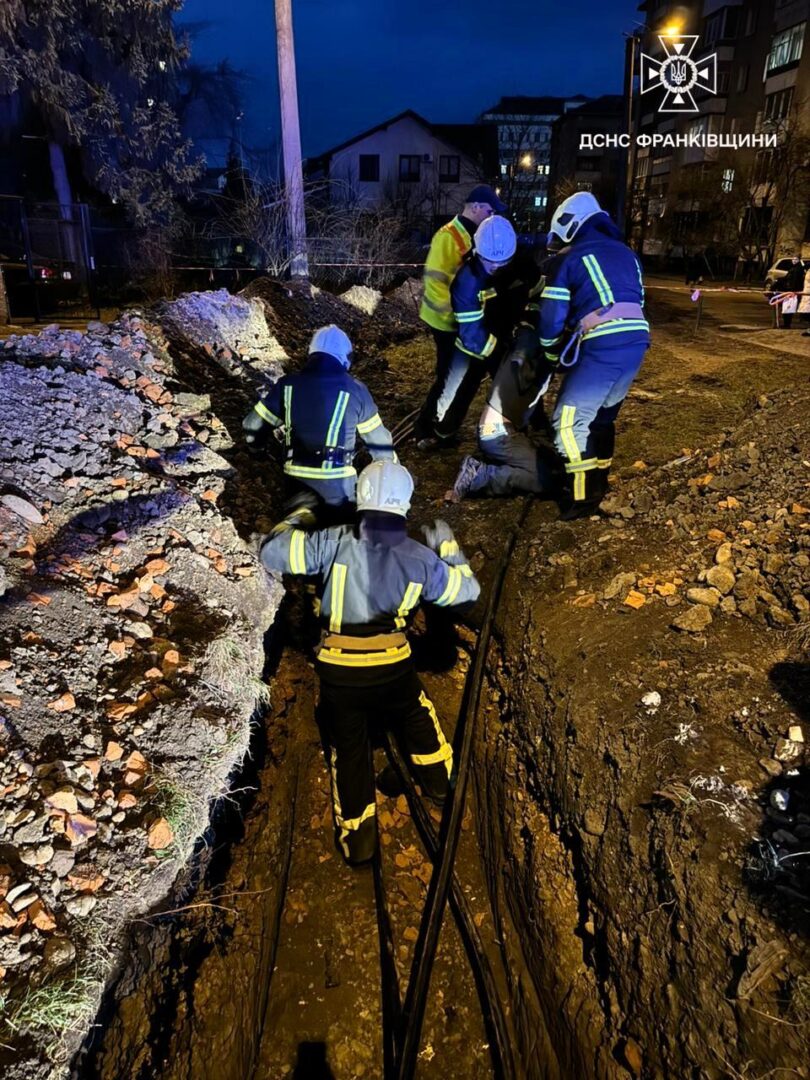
610,313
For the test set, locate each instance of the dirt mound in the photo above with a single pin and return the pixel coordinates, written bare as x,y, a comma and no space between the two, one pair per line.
294,309
645,762
132,618
744,507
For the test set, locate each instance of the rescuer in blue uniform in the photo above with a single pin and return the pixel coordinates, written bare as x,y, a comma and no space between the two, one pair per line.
494,245
372,578
319,412
592,324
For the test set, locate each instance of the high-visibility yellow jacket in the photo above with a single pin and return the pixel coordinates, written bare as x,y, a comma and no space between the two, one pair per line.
447,251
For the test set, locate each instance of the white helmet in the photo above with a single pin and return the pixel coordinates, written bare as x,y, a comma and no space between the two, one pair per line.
385,485
572,213
495,240
332,340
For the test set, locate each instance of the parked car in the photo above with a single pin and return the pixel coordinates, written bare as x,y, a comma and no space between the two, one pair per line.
780,269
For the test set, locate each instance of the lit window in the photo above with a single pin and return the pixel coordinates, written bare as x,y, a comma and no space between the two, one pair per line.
727,183
786,48
162,65
503,169
540,200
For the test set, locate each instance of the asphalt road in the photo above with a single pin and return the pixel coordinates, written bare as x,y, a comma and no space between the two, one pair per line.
722,304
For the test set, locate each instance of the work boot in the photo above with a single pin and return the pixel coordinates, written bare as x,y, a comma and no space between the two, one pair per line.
359,845
436,442
595,489
389,783
467,474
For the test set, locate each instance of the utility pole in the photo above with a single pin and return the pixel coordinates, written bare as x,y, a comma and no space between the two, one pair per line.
291,140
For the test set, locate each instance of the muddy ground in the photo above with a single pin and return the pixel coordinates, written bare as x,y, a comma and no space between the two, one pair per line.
642,929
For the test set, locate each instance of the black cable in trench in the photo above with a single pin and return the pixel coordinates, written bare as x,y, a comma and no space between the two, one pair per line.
413,1012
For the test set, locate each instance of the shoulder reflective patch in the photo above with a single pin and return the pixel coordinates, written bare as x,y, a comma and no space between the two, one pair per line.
448,548
555,292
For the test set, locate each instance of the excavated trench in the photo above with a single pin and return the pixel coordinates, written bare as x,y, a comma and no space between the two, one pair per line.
606,852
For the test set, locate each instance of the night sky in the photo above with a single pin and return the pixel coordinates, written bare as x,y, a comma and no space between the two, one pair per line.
361,61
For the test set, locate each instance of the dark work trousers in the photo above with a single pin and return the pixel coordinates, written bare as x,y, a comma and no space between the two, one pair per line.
445,341
512,465
345,713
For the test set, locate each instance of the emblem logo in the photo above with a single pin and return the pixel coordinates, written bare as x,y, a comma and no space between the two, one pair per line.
679,74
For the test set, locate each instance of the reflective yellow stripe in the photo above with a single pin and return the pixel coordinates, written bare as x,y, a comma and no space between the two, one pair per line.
604,463
444,747
433,759
438,275
443,309
546,341
465,569
487,294
447,548
492,341
265,413
617,326
469,316
553,292
337,418
567,433
409,601
591,264
579,486
287,414
353,824
369,425
342,658
298,561
584,465
307,473
336,595
452,587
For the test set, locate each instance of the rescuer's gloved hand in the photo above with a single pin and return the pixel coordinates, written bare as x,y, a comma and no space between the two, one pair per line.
524,346
300,513
437,534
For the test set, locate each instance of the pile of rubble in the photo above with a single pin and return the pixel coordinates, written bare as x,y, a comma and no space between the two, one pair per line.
132,618
742,515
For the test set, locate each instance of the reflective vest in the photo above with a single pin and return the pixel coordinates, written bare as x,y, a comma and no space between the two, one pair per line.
448,248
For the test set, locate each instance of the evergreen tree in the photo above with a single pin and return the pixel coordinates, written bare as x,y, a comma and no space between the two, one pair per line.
101,76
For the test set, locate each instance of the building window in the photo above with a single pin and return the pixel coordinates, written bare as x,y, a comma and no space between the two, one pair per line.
449,169
587,164
742,78
750,21
540,200
409,168
777,106
723,80
369,168
584,185
504,168
727,183
786,48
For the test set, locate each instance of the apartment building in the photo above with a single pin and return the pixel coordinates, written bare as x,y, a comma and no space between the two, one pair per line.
747,203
